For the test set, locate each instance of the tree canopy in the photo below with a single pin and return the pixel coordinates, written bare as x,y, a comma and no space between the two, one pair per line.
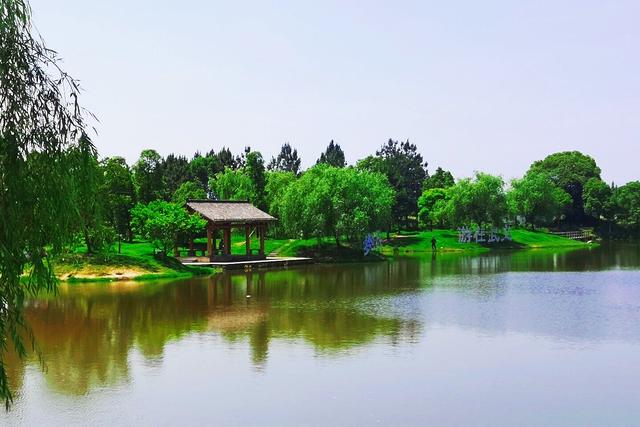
333,156
286,161
537,199
569,170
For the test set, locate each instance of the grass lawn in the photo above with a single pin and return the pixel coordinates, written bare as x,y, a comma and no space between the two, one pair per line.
447,241
136,262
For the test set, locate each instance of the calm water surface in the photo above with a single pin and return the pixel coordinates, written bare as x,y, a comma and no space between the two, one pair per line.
518,338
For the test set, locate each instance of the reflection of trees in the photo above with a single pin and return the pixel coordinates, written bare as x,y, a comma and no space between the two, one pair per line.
87,332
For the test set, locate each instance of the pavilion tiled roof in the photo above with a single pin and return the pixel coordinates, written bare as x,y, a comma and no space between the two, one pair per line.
229,211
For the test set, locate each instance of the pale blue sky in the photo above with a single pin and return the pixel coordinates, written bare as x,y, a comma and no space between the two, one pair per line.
482,85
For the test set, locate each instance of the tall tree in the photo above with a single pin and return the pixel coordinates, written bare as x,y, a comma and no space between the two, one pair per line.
405,170
627,200
440,179
87,180
40,119
286,161
147,176
598,199
537,199
333,156
569,170
175,171
119,193
255,170
481,201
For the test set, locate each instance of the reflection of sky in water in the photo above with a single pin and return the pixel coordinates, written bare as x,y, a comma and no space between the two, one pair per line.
486,340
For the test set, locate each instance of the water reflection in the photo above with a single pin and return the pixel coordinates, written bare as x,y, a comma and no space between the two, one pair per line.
87,333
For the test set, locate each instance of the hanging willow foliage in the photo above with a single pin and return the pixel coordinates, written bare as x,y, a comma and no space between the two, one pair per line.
40,120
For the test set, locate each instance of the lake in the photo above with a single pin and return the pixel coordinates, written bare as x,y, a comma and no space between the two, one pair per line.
513,338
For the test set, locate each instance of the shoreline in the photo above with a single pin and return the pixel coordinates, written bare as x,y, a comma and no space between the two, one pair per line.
137,262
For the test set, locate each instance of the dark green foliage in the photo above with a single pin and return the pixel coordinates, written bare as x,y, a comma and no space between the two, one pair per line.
87,186
627,205
164,223
405,170
175,171
537,199
199,169
254,169
286,161
333,156
440,179
147,176
188,190
119,195
40,121
598,199
569,170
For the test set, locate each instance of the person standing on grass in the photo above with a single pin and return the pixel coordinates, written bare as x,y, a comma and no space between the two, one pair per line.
433,244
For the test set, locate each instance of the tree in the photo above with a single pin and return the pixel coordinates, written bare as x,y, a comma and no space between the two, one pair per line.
162,223
481,201
337,202
429,204
440,179
119,194
87,184
627,201
233,185
405,170
254,168
40,120
333,156
175,171
188,190
537,199
569,170
286,161
277,184
147,176
598,199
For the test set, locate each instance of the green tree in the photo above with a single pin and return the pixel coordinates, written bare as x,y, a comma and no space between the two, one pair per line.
277,184
429,205
333,156
440,179
147,176
40,119
188,190
162,223
175,171
481,201
337,202
87,185
537,199
627,201
569,170
200,169
286,161
405,170
119,194
233,185
254,169
598,199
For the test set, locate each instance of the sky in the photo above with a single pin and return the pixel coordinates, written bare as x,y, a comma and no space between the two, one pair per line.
476,85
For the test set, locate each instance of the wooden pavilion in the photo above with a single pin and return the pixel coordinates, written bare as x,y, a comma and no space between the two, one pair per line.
224,215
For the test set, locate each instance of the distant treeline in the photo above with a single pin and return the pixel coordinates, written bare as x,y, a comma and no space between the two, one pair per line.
389,190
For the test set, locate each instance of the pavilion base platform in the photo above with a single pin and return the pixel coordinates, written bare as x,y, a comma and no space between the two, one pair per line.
249,264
